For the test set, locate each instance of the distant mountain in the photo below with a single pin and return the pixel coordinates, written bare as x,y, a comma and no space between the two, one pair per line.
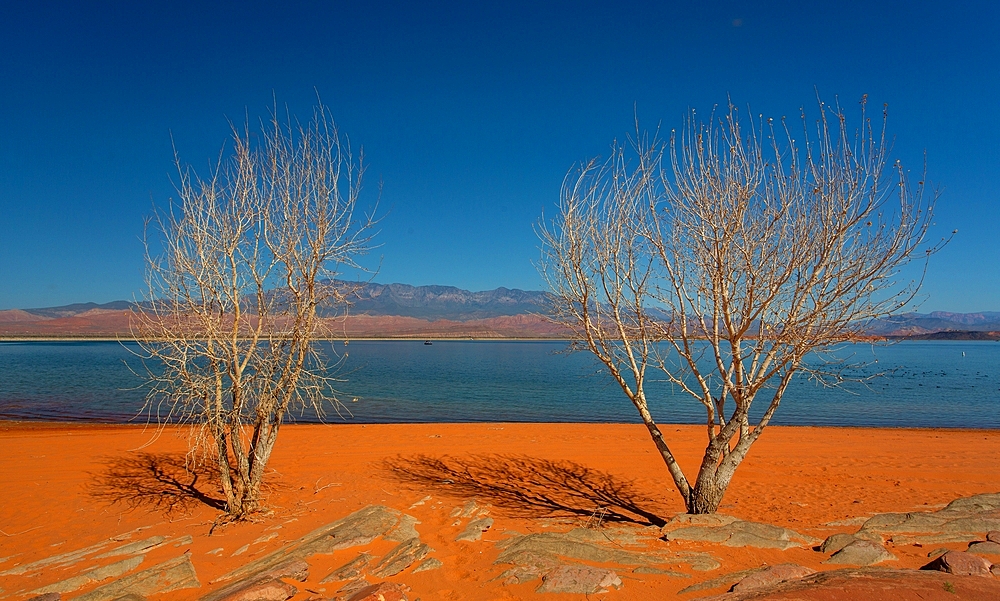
953,335
398,300
444,302
910,324
377,310
78,308
391,310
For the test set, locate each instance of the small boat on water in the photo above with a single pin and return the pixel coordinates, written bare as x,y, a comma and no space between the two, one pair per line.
427,343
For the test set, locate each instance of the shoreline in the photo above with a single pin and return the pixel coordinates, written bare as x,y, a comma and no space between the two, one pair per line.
943,336
340,339
30,424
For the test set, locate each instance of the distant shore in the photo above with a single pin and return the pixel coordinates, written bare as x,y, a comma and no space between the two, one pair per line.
932,336
323,339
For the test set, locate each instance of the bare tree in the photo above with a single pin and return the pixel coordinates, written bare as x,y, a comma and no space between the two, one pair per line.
241,264
722,259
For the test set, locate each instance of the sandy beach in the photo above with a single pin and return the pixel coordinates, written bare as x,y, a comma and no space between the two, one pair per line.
69,487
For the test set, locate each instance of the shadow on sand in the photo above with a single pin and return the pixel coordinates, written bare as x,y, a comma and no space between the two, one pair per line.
525,486
161,481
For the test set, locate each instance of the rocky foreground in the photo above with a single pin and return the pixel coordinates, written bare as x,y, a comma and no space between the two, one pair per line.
384,546
498,512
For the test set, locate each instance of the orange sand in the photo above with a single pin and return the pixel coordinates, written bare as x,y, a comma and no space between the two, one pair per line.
57,493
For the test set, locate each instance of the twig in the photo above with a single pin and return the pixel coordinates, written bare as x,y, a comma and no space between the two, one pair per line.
317,487
20,533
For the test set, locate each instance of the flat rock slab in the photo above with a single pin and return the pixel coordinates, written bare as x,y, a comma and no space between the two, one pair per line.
359,528
739,533
836,542
712,520
921,539
383,591
960,520
771,576
133,548
519,575
548,546
976,503
431,563
173,575
860,553
993,536
352,587
960,563
984,548
726,580
242,590
466,510
400,558
475,529
405,530
871,584
621,536
661,571
540,555
350,570
264,590
579,579
63,559
113,570
544,550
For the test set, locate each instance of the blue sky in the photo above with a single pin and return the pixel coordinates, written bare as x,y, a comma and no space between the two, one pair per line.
469,114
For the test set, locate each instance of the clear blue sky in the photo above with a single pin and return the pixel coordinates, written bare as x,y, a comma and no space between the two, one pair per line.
470,115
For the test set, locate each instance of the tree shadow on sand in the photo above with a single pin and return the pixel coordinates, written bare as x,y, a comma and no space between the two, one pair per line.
163,481
524,486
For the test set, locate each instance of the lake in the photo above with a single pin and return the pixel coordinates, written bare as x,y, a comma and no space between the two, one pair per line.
953,384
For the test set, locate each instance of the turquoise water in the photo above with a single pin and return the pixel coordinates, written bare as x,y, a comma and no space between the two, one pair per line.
923,384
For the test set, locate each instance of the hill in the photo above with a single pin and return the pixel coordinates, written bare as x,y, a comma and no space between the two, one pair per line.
377,311
402,310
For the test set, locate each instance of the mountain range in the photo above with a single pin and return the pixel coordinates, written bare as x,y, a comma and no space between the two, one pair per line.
377,310
401,310
445,302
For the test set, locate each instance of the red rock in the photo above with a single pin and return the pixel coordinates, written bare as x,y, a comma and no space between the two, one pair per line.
874,584
383,591
296,569
984,548
993,536
579,579
771,576
264,590
960,563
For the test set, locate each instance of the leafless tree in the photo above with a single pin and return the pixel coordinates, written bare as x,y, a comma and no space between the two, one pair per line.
241,264
723,258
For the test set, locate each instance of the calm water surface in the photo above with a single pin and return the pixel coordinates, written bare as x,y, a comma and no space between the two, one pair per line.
934,383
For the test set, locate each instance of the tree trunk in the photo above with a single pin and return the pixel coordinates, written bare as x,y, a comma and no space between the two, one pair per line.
233,501
261,454
717,469
639,400
706,496
712,482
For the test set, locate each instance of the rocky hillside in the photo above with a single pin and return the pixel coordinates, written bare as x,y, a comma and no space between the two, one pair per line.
377,310
444,302
910,324
391,310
